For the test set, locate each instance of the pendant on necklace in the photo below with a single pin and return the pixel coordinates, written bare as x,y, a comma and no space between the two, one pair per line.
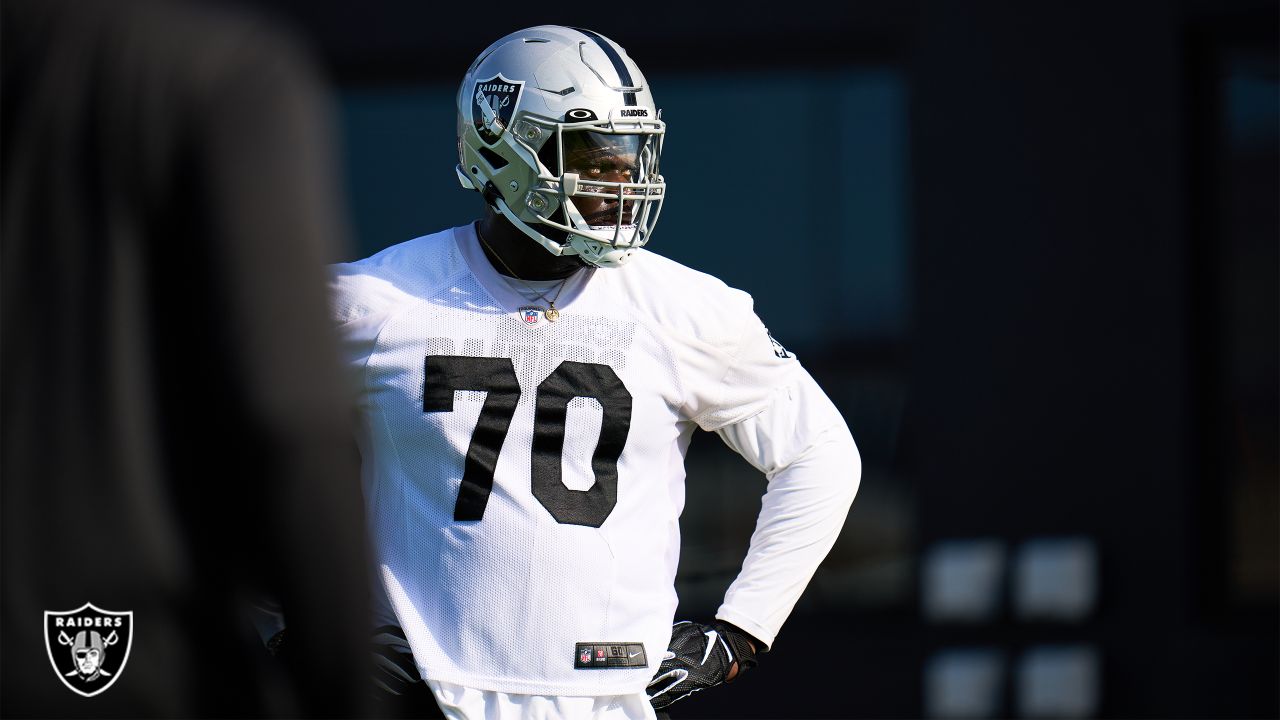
552,315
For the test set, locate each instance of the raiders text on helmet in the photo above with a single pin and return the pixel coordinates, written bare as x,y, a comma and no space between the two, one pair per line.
558,129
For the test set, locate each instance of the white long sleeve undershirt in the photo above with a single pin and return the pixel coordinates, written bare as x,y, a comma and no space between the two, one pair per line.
804,447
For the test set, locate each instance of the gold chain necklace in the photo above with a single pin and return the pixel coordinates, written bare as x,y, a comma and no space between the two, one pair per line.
551,313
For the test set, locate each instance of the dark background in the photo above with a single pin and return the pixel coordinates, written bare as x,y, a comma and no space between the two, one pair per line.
1031,251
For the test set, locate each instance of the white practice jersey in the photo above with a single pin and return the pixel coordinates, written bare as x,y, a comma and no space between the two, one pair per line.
524,478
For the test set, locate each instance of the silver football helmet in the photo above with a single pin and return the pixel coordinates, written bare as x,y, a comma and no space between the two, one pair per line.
557,129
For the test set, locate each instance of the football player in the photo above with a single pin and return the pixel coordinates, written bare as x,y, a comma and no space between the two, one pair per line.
529,384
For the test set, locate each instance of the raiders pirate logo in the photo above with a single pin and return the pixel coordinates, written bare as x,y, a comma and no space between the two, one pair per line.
88,647
493,103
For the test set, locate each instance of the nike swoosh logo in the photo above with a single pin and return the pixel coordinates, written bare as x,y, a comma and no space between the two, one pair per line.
635,653
712,635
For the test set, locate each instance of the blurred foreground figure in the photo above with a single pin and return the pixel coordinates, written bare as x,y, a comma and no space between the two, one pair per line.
530,383
175,437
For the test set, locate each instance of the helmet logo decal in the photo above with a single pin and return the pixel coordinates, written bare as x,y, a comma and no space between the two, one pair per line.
88,646
494,103
579,115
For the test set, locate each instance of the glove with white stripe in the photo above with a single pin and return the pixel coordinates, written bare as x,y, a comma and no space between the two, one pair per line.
700,656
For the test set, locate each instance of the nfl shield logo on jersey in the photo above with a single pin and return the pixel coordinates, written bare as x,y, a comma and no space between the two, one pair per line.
494,102
530,315
88,646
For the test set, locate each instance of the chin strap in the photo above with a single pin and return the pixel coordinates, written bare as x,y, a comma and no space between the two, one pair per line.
491,195
494,199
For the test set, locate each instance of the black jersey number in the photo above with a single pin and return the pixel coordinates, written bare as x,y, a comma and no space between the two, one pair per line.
497,378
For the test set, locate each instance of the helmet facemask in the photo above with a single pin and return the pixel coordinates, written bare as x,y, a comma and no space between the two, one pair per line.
605,188
587,188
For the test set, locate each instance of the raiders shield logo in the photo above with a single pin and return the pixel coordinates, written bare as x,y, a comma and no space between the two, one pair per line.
88,646
493,103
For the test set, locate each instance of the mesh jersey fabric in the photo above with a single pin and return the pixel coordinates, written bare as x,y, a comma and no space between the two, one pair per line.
640,356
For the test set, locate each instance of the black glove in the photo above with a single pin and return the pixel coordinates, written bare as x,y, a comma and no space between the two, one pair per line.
394,672
399,691
276,644
701,656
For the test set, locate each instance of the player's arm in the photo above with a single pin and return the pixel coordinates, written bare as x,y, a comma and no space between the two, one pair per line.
813,468
805,450
769,409
766,407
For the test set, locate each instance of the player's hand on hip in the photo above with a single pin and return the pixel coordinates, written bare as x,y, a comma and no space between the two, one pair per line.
394,672
700,656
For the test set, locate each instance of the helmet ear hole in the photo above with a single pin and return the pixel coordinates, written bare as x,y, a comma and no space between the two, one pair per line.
496,161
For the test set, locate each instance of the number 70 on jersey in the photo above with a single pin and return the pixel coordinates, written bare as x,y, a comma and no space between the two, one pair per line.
496,377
